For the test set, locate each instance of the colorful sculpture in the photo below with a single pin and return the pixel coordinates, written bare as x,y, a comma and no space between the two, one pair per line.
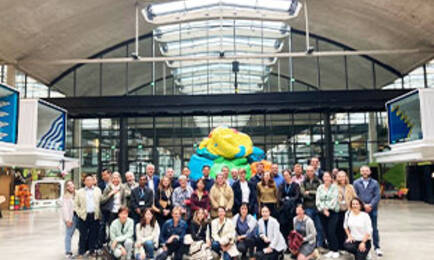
224,147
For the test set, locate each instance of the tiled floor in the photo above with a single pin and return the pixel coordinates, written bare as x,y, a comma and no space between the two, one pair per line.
406,232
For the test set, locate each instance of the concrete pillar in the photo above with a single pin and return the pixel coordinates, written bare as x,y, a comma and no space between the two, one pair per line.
10,76
76,140
372,135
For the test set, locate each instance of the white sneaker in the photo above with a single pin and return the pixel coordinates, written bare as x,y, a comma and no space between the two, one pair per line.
379,252
329,254
335,255
368,256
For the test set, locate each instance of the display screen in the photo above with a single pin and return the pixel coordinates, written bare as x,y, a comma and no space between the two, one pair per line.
8,114
47,191
51,127
404,119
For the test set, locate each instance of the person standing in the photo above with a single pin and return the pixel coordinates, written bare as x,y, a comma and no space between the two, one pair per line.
267,193
298,174
114,197
358,228
141,199
200,199
208,181
314,162
234,174
258,176
289,196
106,175
221,195
86,205
368,190
327,204
181,194
69,216
308,190
130,185
346,195
153,180
163,200
244,192
277,177
121,234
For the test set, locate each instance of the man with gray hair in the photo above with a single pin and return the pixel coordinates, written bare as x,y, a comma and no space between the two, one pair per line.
130,185
153,180
181,194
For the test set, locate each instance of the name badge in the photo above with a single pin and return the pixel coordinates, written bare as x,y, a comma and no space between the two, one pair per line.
141,203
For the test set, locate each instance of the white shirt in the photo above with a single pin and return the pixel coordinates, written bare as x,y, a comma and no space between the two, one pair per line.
359,225
116,199
245,191
151,183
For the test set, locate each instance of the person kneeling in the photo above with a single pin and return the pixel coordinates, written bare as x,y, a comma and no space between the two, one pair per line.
172,236
304,226
270,243
147,233
121,235
358,227
222,236
245,227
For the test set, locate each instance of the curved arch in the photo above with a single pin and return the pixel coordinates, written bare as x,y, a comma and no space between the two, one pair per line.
296,31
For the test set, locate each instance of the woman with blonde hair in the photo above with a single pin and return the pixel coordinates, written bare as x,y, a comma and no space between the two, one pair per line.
163,200
346,195
69,216
114,196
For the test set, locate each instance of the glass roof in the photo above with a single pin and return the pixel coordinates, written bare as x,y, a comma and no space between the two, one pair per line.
205,79
187,10
205,29
219,68
219,44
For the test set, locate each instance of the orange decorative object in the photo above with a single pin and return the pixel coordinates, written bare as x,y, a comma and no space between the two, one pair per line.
267,166
23,193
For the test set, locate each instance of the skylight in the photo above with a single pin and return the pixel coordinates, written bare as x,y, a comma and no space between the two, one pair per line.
188,10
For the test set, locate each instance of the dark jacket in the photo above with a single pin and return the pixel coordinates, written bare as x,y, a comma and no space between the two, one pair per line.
289,197
196,203
197,231
311,186
156,181
141,199
160,195
169,229
253,201
208,184
370,195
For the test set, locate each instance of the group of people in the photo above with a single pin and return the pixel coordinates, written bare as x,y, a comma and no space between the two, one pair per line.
227,217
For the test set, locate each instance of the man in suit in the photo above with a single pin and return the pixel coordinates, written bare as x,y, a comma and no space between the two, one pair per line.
142,197
314,162
208,181
86,205
106,175
368,190
153,180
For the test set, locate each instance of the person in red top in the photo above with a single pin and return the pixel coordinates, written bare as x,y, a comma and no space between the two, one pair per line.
200,199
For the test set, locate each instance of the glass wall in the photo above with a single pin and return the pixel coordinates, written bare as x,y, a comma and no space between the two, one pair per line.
171,141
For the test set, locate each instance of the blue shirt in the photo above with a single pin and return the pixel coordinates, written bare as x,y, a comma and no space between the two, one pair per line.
169,229
278,179
90,200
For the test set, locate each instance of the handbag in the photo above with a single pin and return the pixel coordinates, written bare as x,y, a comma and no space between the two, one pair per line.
295,241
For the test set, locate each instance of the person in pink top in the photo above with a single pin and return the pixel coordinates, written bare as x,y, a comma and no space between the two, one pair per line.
298,174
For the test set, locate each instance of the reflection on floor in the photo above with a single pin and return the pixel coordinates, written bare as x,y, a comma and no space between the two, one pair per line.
406,232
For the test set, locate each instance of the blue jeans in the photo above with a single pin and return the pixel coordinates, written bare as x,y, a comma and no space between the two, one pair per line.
69,233
149,248
314,215
374,214
215,246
